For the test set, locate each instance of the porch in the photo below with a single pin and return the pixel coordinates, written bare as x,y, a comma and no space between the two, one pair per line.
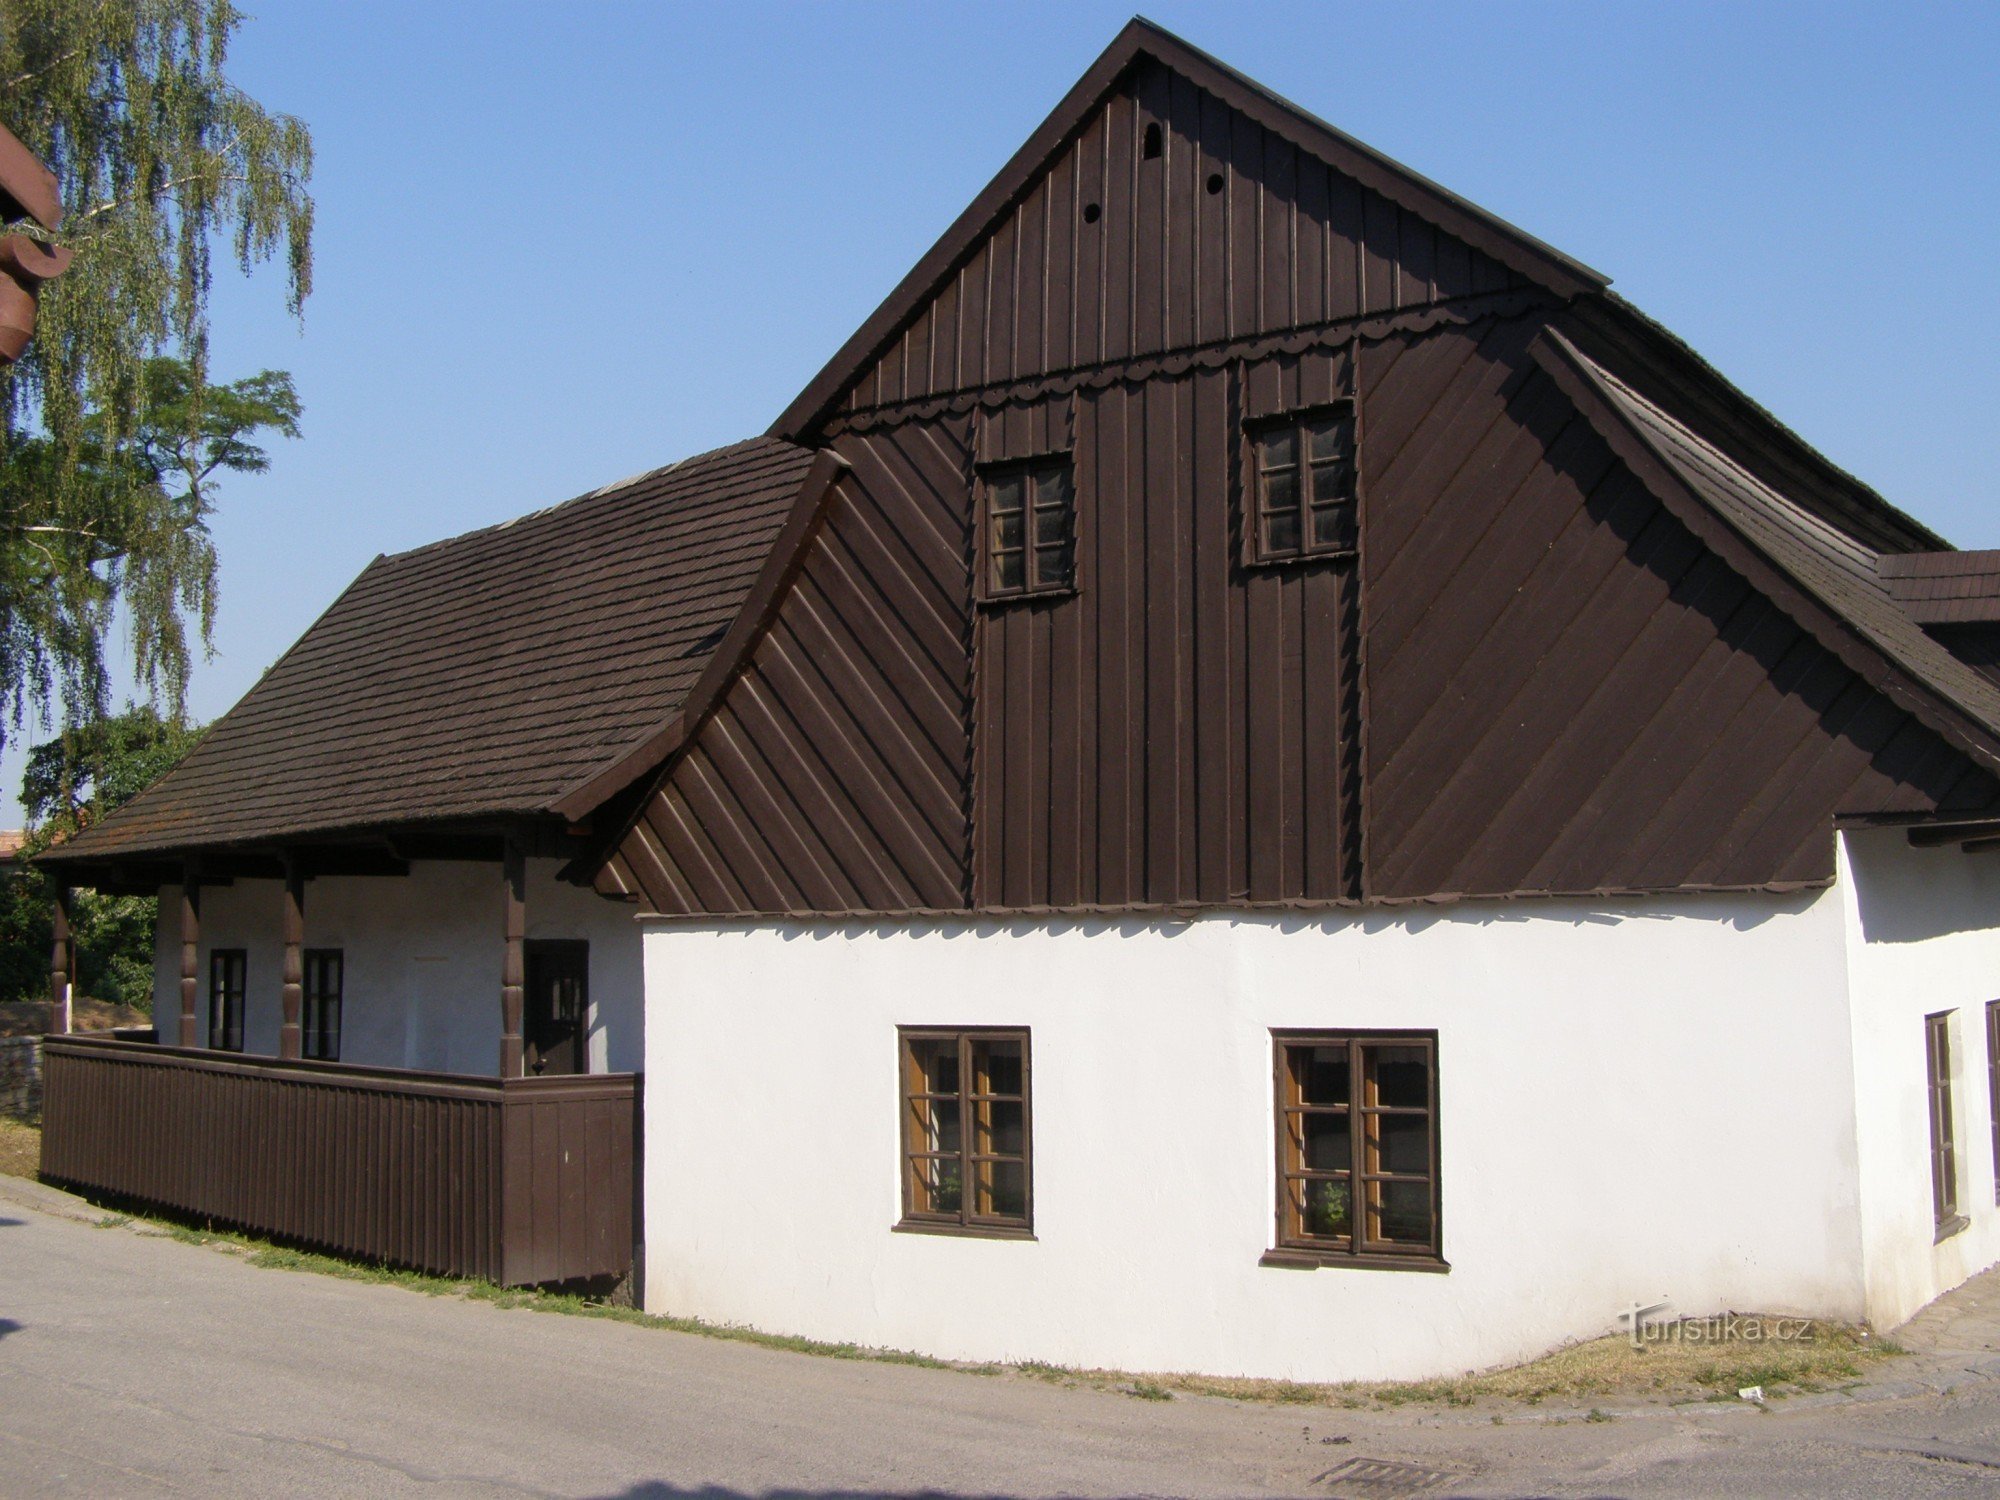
518,1180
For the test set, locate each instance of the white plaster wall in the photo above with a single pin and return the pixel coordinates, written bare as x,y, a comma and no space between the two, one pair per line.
1637,1101
421,987
1923,930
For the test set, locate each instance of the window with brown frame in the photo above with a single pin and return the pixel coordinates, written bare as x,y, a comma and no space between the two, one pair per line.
1357,1149
324,972
966,1143
1302,485
1993,1085
226,970
1028,529
1944,1147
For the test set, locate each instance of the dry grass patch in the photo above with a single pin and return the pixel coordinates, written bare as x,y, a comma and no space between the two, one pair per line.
20,1148
1815,1356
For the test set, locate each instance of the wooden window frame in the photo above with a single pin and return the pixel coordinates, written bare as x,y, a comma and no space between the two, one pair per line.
1944,1137
1993,1085
1030,470
225,1004
313,1029
911,1148
1257,550
1291,1248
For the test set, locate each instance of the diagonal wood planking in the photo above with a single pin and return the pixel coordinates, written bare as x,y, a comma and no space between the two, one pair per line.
1566,691
833,777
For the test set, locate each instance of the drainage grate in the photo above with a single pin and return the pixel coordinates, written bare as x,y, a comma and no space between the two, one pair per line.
1383,1479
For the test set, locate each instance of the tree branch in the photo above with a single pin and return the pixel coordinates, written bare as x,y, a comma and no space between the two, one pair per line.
172,184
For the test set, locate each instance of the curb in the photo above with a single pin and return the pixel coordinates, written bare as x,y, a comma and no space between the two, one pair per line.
25,1192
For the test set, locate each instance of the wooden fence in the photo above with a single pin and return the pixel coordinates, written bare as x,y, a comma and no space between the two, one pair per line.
522,1181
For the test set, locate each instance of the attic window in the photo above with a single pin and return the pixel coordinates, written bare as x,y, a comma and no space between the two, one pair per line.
1301,487
1027,530
1151,150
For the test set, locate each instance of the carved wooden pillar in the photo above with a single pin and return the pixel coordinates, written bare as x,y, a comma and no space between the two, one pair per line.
294,924
190,957
62,958
513,964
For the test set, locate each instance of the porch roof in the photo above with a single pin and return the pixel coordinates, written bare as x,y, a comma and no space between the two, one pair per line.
484,676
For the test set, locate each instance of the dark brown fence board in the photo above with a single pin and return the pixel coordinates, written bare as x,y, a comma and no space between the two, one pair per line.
519,1180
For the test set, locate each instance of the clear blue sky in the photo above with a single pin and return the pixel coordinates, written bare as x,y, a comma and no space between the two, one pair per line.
559,244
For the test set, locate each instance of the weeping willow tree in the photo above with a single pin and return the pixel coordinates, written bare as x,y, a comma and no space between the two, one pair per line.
110,432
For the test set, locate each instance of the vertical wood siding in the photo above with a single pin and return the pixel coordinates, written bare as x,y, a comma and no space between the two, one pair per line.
1182,729
1286,243
1564,691
521,1180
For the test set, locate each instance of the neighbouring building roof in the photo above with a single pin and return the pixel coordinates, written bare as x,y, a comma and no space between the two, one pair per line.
1944,588
485,675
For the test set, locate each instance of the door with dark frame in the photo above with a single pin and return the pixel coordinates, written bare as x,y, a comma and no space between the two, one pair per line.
556,1006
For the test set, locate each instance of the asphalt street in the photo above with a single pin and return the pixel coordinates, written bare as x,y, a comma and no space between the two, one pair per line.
133,1364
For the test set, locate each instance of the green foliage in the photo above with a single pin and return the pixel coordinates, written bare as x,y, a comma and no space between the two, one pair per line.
76,778
70,783
109,427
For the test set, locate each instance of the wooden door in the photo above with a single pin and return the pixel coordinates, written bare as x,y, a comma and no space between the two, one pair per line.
556,1007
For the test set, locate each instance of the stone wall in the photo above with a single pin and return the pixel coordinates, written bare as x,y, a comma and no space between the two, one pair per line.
21,1077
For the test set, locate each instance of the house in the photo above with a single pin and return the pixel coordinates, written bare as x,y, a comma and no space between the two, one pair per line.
1260,776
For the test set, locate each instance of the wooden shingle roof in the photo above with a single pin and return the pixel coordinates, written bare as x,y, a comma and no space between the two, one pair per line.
484,676
1945,588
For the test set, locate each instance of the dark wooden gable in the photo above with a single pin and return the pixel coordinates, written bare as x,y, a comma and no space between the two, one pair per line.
1230,232
831,776
1550,667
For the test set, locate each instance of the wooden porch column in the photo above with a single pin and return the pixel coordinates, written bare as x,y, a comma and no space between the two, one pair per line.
294,925
190,956
513,965
62,960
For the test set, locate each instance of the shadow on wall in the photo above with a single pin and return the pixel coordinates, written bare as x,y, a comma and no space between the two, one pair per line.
1907,895
7,1326
660,1490
1412,917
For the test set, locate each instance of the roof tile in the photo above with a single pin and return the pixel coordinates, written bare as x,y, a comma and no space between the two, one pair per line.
483,675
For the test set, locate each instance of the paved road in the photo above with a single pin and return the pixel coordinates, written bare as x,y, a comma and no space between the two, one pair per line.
131,1364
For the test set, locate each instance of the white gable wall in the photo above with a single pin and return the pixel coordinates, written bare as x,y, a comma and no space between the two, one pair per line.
1923,936
1638,1100
422,962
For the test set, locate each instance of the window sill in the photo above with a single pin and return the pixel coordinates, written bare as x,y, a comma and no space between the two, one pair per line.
1302,559
963,1231
1051,595
1949,1227
1313,1260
